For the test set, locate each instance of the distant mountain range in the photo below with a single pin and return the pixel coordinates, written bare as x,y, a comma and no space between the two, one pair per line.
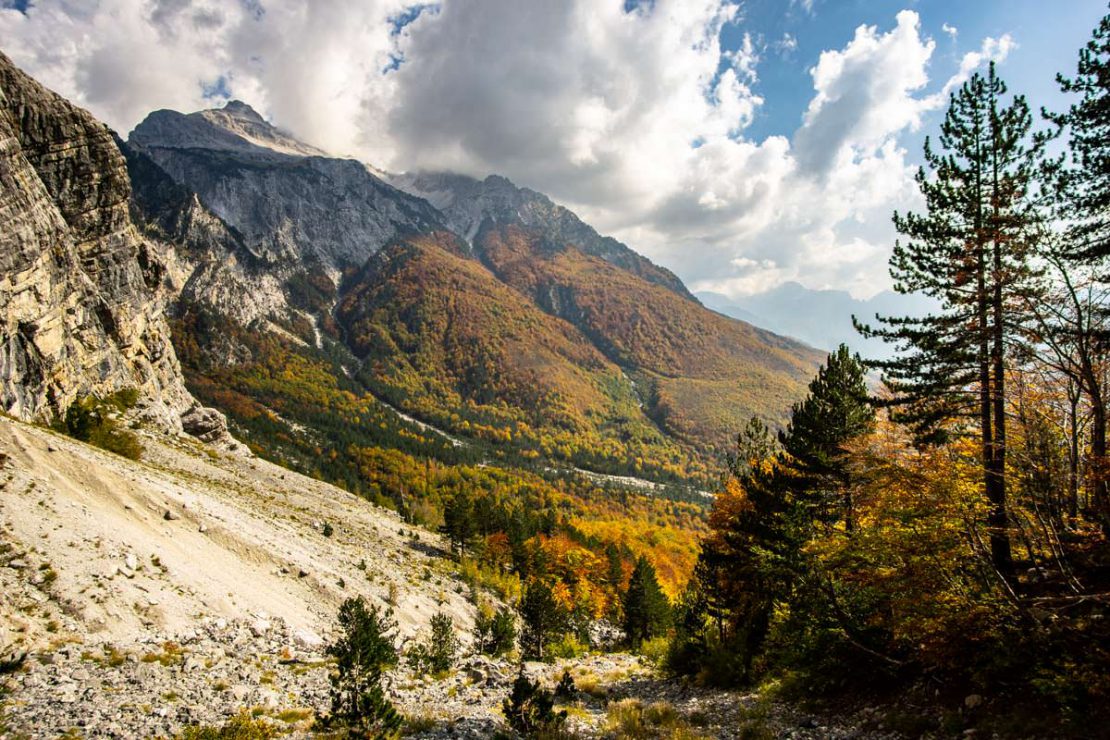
820,318
331,309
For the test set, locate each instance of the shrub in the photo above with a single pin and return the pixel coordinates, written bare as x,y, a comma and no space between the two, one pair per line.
494,632
364,648
655,650
631,720
327,530
239,727
566,647
565,689
530,709
97,421
437,655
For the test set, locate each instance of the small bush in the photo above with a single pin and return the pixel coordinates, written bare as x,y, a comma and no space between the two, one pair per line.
240,727
327,530
530,709
565,690
494,632
437,655
631,720
97,421
568,646
655,650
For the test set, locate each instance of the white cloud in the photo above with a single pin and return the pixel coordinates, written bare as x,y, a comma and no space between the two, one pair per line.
952,31
635,119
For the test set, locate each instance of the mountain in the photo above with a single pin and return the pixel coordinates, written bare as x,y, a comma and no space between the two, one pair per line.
821,318
467,204
475,306
81,292
291,206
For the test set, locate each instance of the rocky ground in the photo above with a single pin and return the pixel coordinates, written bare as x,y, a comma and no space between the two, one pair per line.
199,583
155,687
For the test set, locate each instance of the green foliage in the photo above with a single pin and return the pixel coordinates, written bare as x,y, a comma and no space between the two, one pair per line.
437,654
754,567
363,649
240,727
565,689
327,530
647,613
494,631
542,618
530,709
565,647
458,521
97,421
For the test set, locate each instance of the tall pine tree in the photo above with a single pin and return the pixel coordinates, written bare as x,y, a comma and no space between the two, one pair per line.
971,252
1076,324
647,613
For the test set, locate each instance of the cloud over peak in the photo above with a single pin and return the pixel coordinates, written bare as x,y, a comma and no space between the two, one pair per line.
634,114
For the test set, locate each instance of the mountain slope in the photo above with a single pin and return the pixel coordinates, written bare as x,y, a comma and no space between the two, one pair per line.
702,374
467,204
487,310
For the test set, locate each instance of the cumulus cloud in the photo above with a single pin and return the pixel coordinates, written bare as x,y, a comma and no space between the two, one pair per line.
630,113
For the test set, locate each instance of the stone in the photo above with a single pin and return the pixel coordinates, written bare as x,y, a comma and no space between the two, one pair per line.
206,424
170,516
973,701
131,562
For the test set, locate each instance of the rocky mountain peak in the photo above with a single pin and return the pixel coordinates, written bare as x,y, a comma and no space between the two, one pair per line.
243,111
237,127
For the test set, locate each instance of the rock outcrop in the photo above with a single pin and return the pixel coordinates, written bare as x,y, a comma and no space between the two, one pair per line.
82,310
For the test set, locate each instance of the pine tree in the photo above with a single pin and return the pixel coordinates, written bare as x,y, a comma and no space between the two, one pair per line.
459,523
542,619
1075,327
836,410
970,252
362,651
647,613
530,710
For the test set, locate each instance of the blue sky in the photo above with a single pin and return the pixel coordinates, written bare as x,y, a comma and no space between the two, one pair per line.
1047,35
686,128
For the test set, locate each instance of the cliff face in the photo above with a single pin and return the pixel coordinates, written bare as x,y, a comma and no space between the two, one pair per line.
291,206
81,305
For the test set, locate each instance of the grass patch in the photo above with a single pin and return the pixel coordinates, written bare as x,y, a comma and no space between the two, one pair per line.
630,719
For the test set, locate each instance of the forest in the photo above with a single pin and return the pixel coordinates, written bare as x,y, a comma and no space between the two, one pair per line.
937,523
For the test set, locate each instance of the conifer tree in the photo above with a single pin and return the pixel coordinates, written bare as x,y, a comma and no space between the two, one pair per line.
836,410
1075,324
647,613
362,651
542,618
459,523
970,251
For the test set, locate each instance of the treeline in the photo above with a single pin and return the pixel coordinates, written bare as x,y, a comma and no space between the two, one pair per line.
954,524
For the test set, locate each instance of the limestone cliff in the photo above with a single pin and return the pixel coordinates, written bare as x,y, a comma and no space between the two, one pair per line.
81,304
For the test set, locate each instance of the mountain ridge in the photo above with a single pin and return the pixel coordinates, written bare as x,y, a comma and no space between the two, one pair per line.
280,211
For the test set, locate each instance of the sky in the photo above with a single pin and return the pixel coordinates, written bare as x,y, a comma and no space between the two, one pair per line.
742,144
